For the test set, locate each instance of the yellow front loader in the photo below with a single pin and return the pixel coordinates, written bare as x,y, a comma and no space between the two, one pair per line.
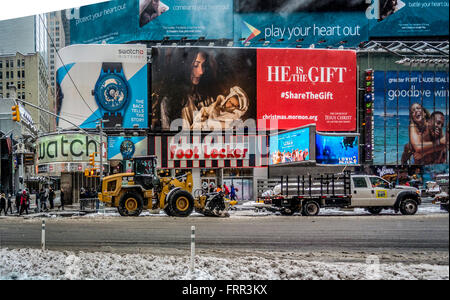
143,189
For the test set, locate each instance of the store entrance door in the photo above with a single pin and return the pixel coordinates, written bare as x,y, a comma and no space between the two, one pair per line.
206,182
243,187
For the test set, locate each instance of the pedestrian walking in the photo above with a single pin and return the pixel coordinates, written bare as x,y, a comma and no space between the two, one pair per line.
23,203
2,203
42,199
9,202
51,196
18,197
61,197
233,193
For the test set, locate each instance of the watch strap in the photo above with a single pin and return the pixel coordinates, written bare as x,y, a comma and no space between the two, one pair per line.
112,67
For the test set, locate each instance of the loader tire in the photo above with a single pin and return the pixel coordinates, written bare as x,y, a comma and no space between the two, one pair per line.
130,205
181,203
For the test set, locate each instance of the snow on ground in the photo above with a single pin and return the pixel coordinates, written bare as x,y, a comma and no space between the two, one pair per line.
36,264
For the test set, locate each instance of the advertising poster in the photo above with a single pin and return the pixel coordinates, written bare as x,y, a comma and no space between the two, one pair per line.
102,81
203,88
411,113
411,18
122,21
298,87
337,150
125,148
68,147
301,28
290,147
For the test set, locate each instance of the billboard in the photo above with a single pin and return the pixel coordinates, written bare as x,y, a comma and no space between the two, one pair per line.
337,149
292,146
68,147
210,88
125,148
302,86
122,21
102,81
411,18
203,88
301,28
411,114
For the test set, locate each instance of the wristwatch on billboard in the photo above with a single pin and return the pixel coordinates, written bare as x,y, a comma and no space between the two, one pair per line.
112,93
127,149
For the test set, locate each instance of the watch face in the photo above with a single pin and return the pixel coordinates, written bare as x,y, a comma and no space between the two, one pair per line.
127,149
111,92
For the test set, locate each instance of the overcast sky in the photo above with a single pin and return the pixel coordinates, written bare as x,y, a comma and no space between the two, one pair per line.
10,9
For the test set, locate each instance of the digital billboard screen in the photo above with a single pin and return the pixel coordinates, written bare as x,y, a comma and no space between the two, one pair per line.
337,150
411,114
280,89
125,148
297,87
291,147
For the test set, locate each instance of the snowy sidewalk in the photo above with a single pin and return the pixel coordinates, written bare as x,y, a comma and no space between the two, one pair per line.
110,266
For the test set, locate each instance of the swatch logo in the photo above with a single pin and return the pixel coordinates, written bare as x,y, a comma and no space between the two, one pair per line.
249,30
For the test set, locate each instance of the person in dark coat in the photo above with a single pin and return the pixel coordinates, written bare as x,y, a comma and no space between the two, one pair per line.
51,196
18,197
61,199
2,203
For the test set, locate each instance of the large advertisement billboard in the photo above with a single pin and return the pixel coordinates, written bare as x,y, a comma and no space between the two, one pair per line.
337,149
411,113
206,88
102,81
122,21
411,18
292,146
203,88
125,148
298,87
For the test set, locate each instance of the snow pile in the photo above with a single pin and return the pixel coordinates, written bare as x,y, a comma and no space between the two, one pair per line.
36,264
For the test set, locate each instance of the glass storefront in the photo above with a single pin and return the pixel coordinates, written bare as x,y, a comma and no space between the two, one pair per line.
242,180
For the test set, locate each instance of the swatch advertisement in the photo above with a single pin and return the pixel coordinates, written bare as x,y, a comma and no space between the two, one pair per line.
337,150
125,148
411,18
291,147
122,21
297,87
411,114
106,82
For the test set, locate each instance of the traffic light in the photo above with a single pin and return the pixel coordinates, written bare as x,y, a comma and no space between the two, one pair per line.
92,159
15,113
86,172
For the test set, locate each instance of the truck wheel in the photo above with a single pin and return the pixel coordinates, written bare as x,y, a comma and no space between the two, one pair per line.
130,205
310,208
181,203
375,210
408,207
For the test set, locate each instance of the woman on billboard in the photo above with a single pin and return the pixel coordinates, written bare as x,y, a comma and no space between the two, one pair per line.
187,84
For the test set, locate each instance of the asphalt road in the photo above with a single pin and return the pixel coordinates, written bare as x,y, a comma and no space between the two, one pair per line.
276,233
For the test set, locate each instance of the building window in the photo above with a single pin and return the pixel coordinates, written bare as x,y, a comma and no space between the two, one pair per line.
12,74
7,63
23,74
23,84
23,62
18,74
7,75
1,75
18,63
11,63
18,85
1,64
23,96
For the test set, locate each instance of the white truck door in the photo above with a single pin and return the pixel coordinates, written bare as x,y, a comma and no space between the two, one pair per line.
361,191
383,195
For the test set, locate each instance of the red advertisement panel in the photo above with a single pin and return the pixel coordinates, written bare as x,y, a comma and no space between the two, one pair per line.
297,87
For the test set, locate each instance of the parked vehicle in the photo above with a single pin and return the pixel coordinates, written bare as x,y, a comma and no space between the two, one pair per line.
442,197
308,194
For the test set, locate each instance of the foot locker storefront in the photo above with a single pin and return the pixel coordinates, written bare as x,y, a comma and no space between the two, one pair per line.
217,160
